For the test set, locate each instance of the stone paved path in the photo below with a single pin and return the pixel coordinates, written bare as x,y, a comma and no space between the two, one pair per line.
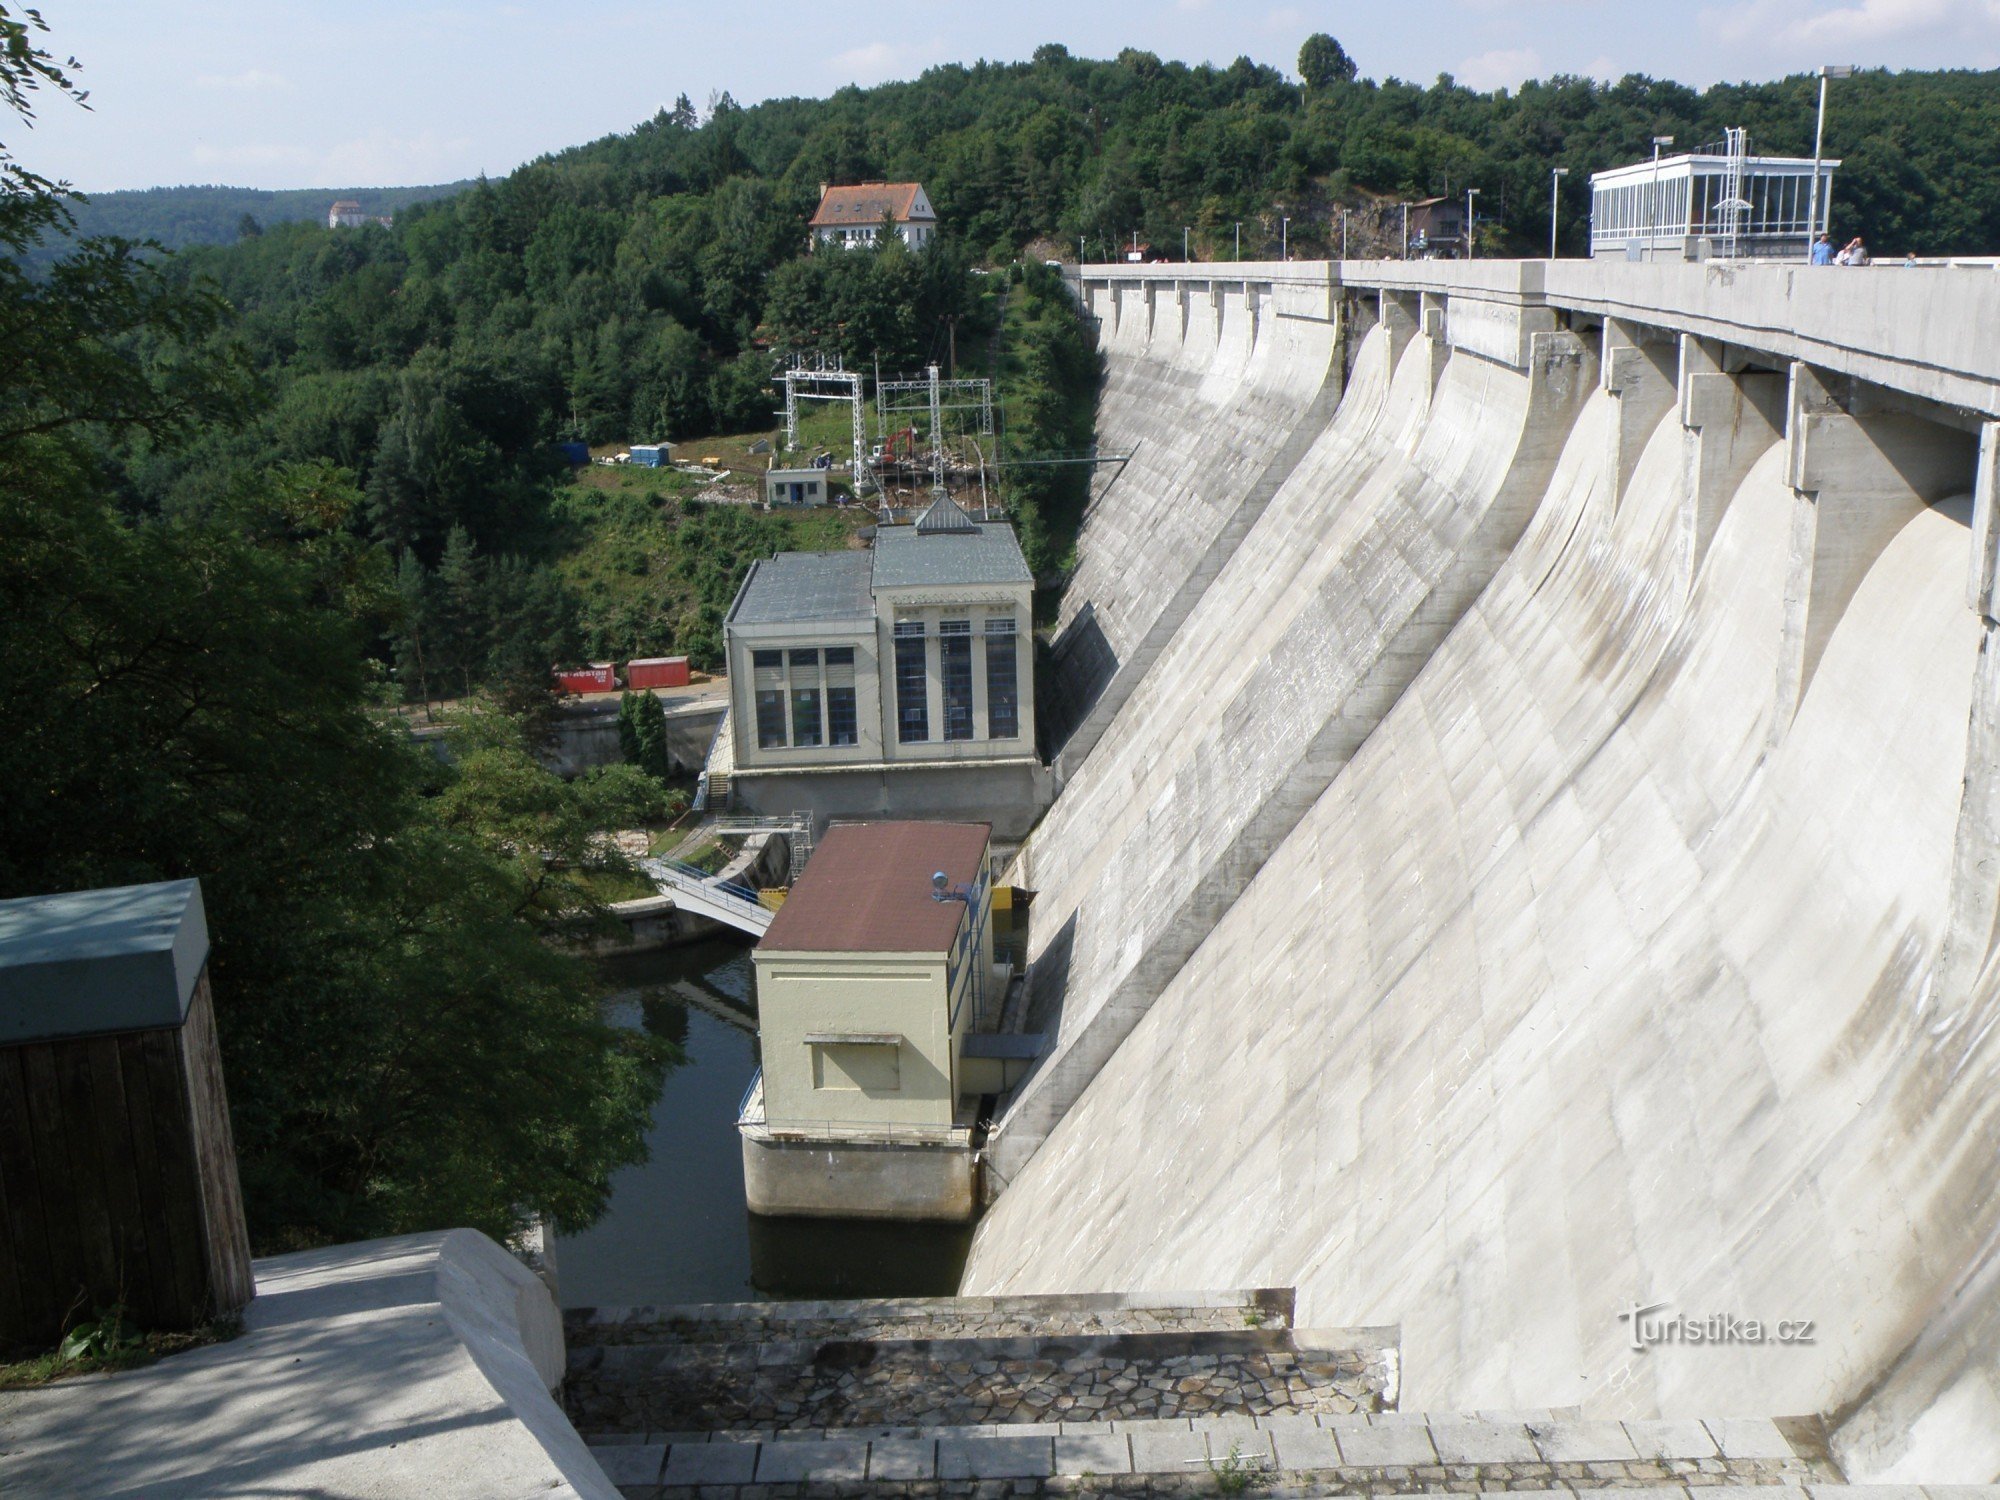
932,1317
1388,1454
774,1367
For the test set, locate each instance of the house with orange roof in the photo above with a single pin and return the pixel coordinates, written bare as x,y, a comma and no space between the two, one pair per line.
852,216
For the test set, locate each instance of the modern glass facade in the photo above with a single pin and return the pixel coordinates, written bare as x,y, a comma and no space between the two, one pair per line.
1684,207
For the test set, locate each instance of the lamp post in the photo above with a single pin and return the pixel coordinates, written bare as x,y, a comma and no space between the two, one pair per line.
1343,234
1406,231
1284,239
1184,235
1079,249
1238,255
1556,175
1470,194
1653,205
1827,71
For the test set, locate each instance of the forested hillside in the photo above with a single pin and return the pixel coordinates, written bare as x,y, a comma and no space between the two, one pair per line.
210,214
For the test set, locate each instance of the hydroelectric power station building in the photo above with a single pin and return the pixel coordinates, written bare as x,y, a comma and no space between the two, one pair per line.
893,682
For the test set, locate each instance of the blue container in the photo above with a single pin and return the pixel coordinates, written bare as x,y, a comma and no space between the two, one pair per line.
650,455
574,454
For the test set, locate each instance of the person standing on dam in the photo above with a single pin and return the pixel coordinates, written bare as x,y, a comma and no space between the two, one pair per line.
1822,251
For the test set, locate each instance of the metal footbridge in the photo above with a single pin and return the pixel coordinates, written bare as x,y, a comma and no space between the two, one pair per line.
697,891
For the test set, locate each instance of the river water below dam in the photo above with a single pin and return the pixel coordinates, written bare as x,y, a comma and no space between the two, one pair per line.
677,1229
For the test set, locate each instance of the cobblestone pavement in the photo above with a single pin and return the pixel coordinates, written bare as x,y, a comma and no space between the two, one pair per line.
1389,1455
929,1383
930,1317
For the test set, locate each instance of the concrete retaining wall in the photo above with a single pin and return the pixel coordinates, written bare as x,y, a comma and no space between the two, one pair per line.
859,1180
412,1366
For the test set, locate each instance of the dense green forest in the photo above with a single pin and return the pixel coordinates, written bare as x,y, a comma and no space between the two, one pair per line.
408,1041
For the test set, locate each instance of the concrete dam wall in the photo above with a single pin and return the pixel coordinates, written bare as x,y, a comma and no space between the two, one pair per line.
1552,868
1215,391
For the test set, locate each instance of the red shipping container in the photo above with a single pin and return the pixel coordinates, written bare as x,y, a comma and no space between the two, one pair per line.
656,672
598,677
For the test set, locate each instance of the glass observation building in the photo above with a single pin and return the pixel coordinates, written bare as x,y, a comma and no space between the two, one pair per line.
1718,202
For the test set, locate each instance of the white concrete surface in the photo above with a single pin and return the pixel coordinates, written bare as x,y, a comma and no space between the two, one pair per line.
1216,389
1371,550
1600,975
418,1366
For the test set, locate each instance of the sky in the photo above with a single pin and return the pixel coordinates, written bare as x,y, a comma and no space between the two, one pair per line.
369,93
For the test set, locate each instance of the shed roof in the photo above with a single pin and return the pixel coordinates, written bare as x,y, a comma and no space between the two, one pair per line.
869,203
800,586
867,889
980,552
125,958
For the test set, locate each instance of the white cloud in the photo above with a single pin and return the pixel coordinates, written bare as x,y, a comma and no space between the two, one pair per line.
877,61
1285,18
250,81
1503,67
1805,31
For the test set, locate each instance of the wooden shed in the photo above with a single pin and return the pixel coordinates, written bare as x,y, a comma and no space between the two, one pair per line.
117,1169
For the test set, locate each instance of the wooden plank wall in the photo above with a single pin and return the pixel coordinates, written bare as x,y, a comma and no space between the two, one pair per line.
118,1181
226,1237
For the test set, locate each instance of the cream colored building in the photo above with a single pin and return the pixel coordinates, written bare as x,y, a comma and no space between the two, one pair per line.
868,982
895,682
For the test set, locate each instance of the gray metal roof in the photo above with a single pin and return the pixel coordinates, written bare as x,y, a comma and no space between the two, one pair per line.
987,553
799,586
84,962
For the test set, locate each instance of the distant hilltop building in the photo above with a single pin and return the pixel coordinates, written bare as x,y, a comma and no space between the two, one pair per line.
347,214
853,216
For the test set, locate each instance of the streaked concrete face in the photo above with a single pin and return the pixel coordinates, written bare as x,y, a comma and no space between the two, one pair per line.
1216,389
1605,971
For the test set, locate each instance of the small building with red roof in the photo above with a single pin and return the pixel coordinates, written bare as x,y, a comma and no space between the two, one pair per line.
871,977
852,215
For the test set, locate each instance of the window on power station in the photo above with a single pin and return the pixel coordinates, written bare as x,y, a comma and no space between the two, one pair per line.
805,698
1003,691
913,714
842,725
955,667
767,672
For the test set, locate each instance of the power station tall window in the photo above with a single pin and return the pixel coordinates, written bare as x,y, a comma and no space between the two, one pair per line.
1003,690
913,713
805,698
842,725
955,667
767,673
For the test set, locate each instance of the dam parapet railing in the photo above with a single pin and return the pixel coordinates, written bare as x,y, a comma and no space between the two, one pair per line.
1925,331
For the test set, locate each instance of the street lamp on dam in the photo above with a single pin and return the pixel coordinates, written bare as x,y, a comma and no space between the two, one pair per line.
1556,175
1814,228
